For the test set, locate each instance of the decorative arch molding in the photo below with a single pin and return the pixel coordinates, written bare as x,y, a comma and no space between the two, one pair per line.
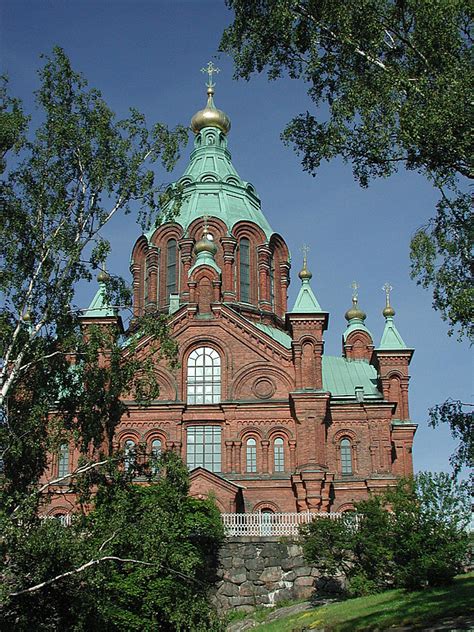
358,336
250,432
250,374
209,177
156,433
395,374
345,433
345,507
250,230
165,232
277,432
266,504
233,180
128,434
139,250
278,245
308,339
216,227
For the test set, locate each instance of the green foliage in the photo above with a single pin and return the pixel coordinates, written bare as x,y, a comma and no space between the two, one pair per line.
412,537
170,540
391,84
460,420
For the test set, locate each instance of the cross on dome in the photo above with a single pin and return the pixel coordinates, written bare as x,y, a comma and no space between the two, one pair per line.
211,70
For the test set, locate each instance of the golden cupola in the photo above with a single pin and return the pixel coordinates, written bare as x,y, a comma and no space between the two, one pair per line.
210,116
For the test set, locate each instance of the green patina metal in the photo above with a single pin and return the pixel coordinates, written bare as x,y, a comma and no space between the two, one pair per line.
99,308
355,324
280,336
306,302
391,339
341,377
212,187
205,258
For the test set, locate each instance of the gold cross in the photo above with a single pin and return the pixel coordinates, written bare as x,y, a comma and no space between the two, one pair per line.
355,287
211,70
387,288
305,249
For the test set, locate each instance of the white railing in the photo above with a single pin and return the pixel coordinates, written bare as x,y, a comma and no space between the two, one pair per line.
269,524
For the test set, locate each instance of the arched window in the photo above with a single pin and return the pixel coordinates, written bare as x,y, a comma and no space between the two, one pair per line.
244,270
346,456
251,456
278,455
63,460
171,284
204,376
155,454
129,455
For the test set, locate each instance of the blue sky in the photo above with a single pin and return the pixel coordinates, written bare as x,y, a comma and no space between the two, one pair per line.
148,54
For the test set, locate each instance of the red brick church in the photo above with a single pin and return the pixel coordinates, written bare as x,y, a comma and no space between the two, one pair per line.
264,419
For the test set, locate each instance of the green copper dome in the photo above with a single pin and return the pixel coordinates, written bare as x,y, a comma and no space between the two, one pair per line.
212,186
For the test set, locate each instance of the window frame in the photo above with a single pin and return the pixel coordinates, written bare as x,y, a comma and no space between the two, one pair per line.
204,377
198,438
345,453
279,455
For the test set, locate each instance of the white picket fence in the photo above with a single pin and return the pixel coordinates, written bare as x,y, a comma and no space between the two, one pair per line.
269,524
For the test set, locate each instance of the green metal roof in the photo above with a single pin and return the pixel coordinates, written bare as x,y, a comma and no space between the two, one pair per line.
213,187
280,336
341,377
355,324
99,307
205,259
391,339
306,302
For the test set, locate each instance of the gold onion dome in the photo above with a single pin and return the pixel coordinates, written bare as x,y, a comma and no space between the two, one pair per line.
305,273
388,311
355,311
102,277
205,245
210,116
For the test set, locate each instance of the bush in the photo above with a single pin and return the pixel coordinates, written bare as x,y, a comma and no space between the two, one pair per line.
413,536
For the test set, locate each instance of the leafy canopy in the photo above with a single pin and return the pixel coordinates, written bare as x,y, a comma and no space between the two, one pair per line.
391,82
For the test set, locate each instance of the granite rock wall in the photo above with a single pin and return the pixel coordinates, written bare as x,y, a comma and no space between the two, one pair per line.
264,572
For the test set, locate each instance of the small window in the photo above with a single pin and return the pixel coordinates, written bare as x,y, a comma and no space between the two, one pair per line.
279,455
204,376
63,460
346,456
245,270
129,455
251,455
155,454
203,447
171,285
272,282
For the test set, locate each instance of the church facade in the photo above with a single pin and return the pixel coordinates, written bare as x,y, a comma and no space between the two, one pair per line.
264,419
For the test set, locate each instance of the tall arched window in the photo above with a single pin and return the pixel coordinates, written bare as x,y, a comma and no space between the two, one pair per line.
129,454
278,455
346,456
251,456
244,270
171,283
155,454
63,460
204,376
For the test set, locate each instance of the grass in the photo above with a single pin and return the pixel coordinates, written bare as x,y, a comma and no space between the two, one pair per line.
379,612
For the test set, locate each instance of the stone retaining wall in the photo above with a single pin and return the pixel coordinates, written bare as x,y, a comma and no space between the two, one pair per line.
266,571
